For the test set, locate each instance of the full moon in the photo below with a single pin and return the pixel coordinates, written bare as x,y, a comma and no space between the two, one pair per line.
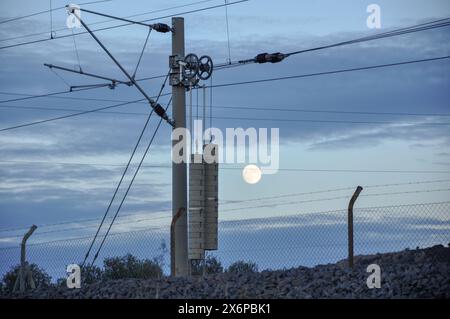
251,174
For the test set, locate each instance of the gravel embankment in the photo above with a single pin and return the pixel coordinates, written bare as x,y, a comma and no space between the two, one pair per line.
420,273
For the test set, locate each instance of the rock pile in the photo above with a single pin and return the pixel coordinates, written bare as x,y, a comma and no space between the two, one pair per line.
420,273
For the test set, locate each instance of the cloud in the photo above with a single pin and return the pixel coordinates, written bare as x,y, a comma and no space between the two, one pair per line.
43,193
365,138
46,192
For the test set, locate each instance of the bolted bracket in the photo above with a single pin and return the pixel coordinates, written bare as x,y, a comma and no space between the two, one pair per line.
175,78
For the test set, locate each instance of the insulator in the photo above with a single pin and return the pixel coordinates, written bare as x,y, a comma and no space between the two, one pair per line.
272,58
161,27
160,110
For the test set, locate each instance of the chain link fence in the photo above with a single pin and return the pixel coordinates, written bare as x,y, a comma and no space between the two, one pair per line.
304,239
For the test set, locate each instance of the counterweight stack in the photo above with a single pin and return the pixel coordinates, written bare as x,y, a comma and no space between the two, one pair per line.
203,202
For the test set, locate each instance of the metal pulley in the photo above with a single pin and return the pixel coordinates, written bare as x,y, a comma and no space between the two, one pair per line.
188,71
191,66
206,67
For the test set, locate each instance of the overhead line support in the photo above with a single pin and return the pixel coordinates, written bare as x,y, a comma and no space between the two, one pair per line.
158,27
154,105
179,235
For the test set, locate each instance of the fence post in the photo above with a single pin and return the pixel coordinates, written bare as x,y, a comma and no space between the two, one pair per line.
350,225
24,273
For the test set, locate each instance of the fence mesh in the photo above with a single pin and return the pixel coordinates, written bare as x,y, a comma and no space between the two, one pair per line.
304,239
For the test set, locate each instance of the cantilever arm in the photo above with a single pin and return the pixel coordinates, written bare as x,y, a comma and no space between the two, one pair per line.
156,107
75,88
158,27
114,81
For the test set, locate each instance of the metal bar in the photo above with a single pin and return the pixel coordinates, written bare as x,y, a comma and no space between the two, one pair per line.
350,225
116,18
179,173
91,86
114,59
142,52
204,114
156,107
51,66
